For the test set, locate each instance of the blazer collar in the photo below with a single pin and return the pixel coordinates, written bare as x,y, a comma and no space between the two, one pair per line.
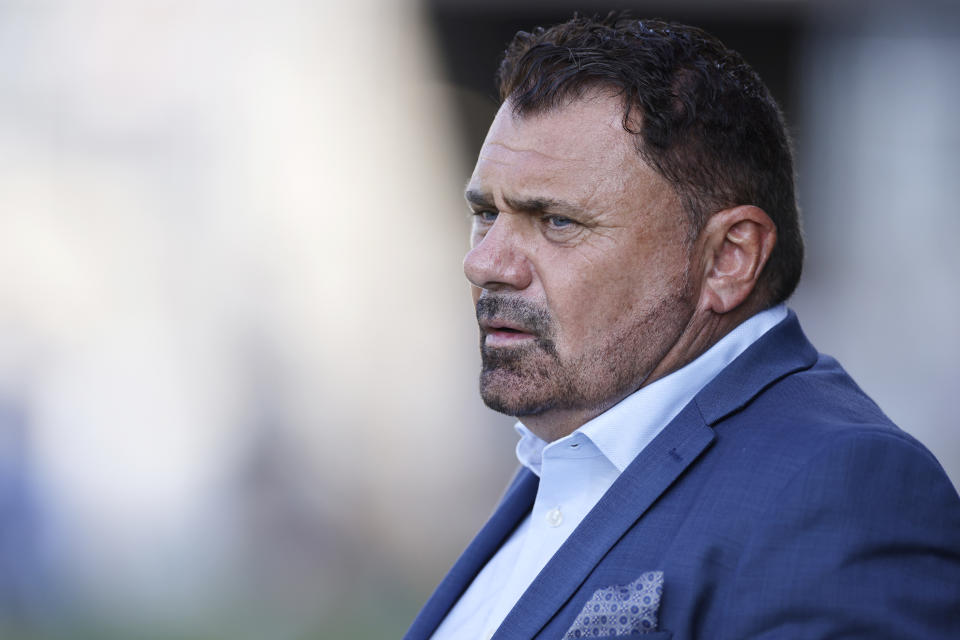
779,352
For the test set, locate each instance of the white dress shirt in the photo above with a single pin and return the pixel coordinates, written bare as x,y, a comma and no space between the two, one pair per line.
575,472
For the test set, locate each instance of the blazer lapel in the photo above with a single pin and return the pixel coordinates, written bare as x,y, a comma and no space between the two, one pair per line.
516,503
647,477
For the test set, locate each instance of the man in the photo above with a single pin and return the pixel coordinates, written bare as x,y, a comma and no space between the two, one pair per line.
691,466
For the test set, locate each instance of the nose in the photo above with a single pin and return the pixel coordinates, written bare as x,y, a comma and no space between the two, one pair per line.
497,261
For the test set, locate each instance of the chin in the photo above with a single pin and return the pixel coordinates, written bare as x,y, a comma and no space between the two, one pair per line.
518,398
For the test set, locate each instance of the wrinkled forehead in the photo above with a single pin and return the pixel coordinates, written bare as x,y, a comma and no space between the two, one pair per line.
583,139
579,155
587,128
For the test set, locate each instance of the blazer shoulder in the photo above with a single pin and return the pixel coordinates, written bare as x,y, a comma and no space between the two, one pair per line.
863,539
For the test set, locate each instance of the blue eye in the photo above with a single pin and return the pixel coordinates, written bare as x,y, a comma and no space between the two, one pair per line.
558,222
485,215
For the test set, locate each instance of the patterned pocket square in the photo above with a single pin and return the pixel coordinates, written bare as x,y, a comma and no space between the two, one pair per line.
620,610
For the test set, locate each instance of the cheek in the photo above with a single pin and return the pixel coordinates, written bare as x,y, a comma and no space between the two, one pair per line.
586,306
592,306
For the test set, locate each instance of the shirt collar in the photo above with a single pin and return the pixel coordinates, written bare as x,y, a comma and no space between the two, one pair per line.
622,432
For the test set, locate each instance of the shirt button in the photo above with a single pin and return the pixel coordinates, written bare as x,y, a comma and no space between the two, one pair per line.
554,517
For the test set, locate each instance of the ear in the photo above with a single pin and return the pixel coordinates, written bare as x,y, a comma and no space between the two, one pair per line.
737,245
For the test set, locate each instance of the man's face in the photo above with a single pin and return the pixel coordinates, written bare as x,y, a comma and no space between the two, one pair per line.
580,265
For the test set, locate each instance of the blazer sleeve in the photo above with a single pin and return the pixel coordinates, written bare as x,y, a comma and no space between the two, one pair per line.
862,542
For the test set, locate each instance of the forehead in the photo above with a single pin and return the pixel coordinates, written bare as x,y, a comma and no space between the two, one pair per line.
576,149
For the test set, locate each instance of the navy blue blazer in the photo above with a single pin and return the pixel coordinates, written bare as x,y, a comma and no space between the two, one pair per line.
780,503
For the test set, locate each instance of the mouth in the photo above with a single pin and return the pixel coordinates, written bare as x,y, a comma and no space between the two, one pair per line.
503,334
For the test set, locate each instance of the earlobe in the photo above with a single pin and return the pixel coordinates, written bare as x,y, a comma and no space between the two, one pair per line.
738,243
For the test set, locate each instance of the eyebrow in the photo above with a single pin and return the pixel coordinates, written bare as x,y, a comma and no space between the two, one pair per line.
523,205
479,198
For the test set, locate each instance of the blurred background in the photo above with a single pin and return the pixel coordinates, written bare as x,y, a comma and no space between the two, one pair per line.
237,352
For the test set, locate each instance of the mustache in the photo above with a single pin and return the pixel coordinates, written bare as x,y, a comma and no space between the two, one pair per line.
532,318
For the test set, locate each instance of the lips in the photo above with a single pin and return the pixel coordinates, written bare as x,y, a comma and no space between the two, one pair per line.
510,321
498,324
503,333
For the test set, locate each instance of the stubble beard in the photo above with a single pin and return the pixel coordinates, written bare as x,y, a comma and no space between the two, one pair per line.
532,379
525,380
513,379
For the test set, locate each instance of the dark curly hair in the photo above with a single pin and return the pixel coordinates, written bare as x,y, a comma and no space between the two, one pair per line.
707,123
